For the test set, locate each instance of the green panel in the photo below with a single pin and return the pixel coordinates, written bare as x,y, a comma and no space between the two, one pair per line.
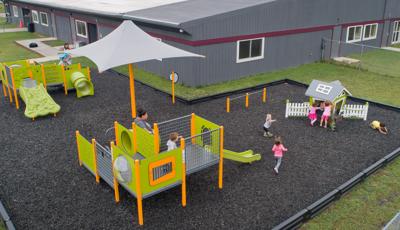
86,153
19,75
22,63
145,142
37,73
53,74
116,152
125,137
69,70
144,171
202,125
2,72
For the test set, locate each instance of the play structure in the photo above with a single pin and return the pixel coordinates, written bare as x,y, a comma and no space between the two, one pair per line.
139,161
335,92
32,81
246,97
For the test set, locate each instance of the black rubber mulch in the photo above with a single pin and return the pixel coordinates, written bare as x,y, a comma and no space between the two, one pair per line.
44,188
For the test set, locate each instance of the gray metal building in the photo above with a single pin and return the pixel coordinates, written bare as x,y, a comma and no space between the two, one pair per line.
238,37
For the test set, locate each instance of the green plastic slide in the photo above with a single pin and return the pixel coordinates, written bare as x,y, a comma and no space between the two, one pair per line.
38,101
82,85
243,157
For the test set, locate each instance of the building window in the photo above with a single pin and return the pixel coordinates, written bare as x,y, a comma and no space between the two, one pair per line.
324,89
249,50
396,32
35,16
81,28
43,19
354,33
370,31
15,11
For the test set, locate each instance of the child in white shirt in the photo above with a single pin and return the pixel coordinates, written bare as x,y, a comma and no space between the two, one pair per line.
173,138
267,125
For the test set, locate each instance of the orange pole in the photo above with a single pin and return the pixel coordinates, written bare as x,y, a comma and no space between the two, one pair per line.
228,105
193,127
247,100
43,76
79,67
14,88
96,173
116,133
138,193
77,146
173,87
183,173
65,79
134,138
156,139
132,90
88,73
264,97
221,157
116,188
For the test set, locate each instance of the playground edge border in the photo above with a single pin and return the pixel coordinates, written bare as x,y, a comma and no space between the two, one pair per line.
318,206
6,218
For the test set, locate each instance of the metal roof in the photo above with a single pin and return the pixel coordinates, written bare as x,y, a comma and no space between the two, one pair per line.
332,90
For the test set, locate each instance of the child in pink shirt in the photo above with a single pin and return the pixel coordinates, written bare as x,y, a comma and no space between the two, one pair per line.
312,114
278,150
326,114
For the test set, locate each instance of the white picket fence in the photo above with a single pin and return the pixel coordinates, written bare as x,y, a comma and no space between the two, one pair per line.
297,109
355,111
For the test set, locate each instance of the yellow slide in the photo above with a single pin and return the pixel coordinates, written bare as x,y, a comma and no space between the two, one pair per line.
243,157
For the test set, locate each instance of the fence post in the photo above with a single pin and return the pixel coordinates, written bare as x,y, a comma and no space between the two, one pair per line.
96,173
14,89
247,100
138,192
366,111
173,87
88,73
134,138
64,79
156,139
228,105
116,133
221,157
264,97
183,173
77,146
116,185
287,108
43,76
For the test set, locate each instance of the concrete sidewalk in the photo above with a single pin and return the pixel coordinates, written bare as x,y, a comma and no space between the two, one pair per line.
12,30
392,49
49,53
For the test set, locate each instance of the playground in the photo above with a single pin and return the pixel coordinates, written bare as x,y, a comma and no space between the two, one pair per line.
47,187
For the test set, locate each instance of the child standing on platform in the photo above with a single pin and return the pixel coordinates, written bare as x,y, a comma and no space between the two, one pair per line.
326,114
267,125
278,150
312,115
173,138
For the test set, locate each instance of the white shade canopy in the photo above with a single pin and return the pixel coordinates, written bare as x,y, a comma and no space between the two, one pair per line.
128,44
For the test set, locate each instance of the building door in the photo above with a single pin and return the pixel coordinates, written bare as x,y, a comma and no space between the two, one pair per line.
335,43
26,13
396,32
92,30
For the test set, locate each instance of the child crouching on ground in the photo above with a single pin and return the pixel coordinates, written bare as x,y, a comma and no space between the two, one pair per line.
267,125
278,150
380,126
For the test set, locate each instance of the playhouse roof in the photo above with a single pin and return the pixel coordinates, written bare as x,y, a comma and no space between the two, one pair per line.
326,91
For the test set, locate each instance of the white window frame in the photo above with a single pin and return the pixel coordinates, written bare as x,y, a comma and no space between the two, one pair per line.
34,12
324,89
356,40
41,18
376,31
250,58
76,28
15,11
396,24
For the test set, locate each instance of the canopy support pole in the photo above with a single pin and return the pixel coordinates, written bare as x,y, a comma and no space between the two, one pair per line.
132,90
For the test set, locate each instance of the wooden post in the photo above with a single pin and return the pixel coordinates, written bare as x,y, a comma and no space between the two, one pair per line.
77,146
156,139
228,105
116,185
64,79
183,173
134,138
43,76
264,97
173,87
116,133
96,173
132,90
221,157
88,73
14,89
138,192
247,100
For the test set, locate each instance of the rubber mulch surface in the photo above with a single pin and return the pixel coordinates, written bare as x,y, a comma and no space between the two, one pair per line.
43,186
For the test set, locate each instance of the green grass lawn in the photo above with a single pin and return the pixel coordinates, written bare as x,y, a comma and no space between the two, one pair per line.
54,43
10,51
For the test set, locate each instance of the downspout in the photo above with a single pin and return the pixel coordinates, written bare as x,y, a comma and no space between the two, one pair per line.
384,23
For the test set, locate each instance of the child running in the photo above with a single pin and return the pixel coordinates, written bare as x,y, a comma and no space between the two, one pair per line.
312,115
278,150
173,138
326,114
267,125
